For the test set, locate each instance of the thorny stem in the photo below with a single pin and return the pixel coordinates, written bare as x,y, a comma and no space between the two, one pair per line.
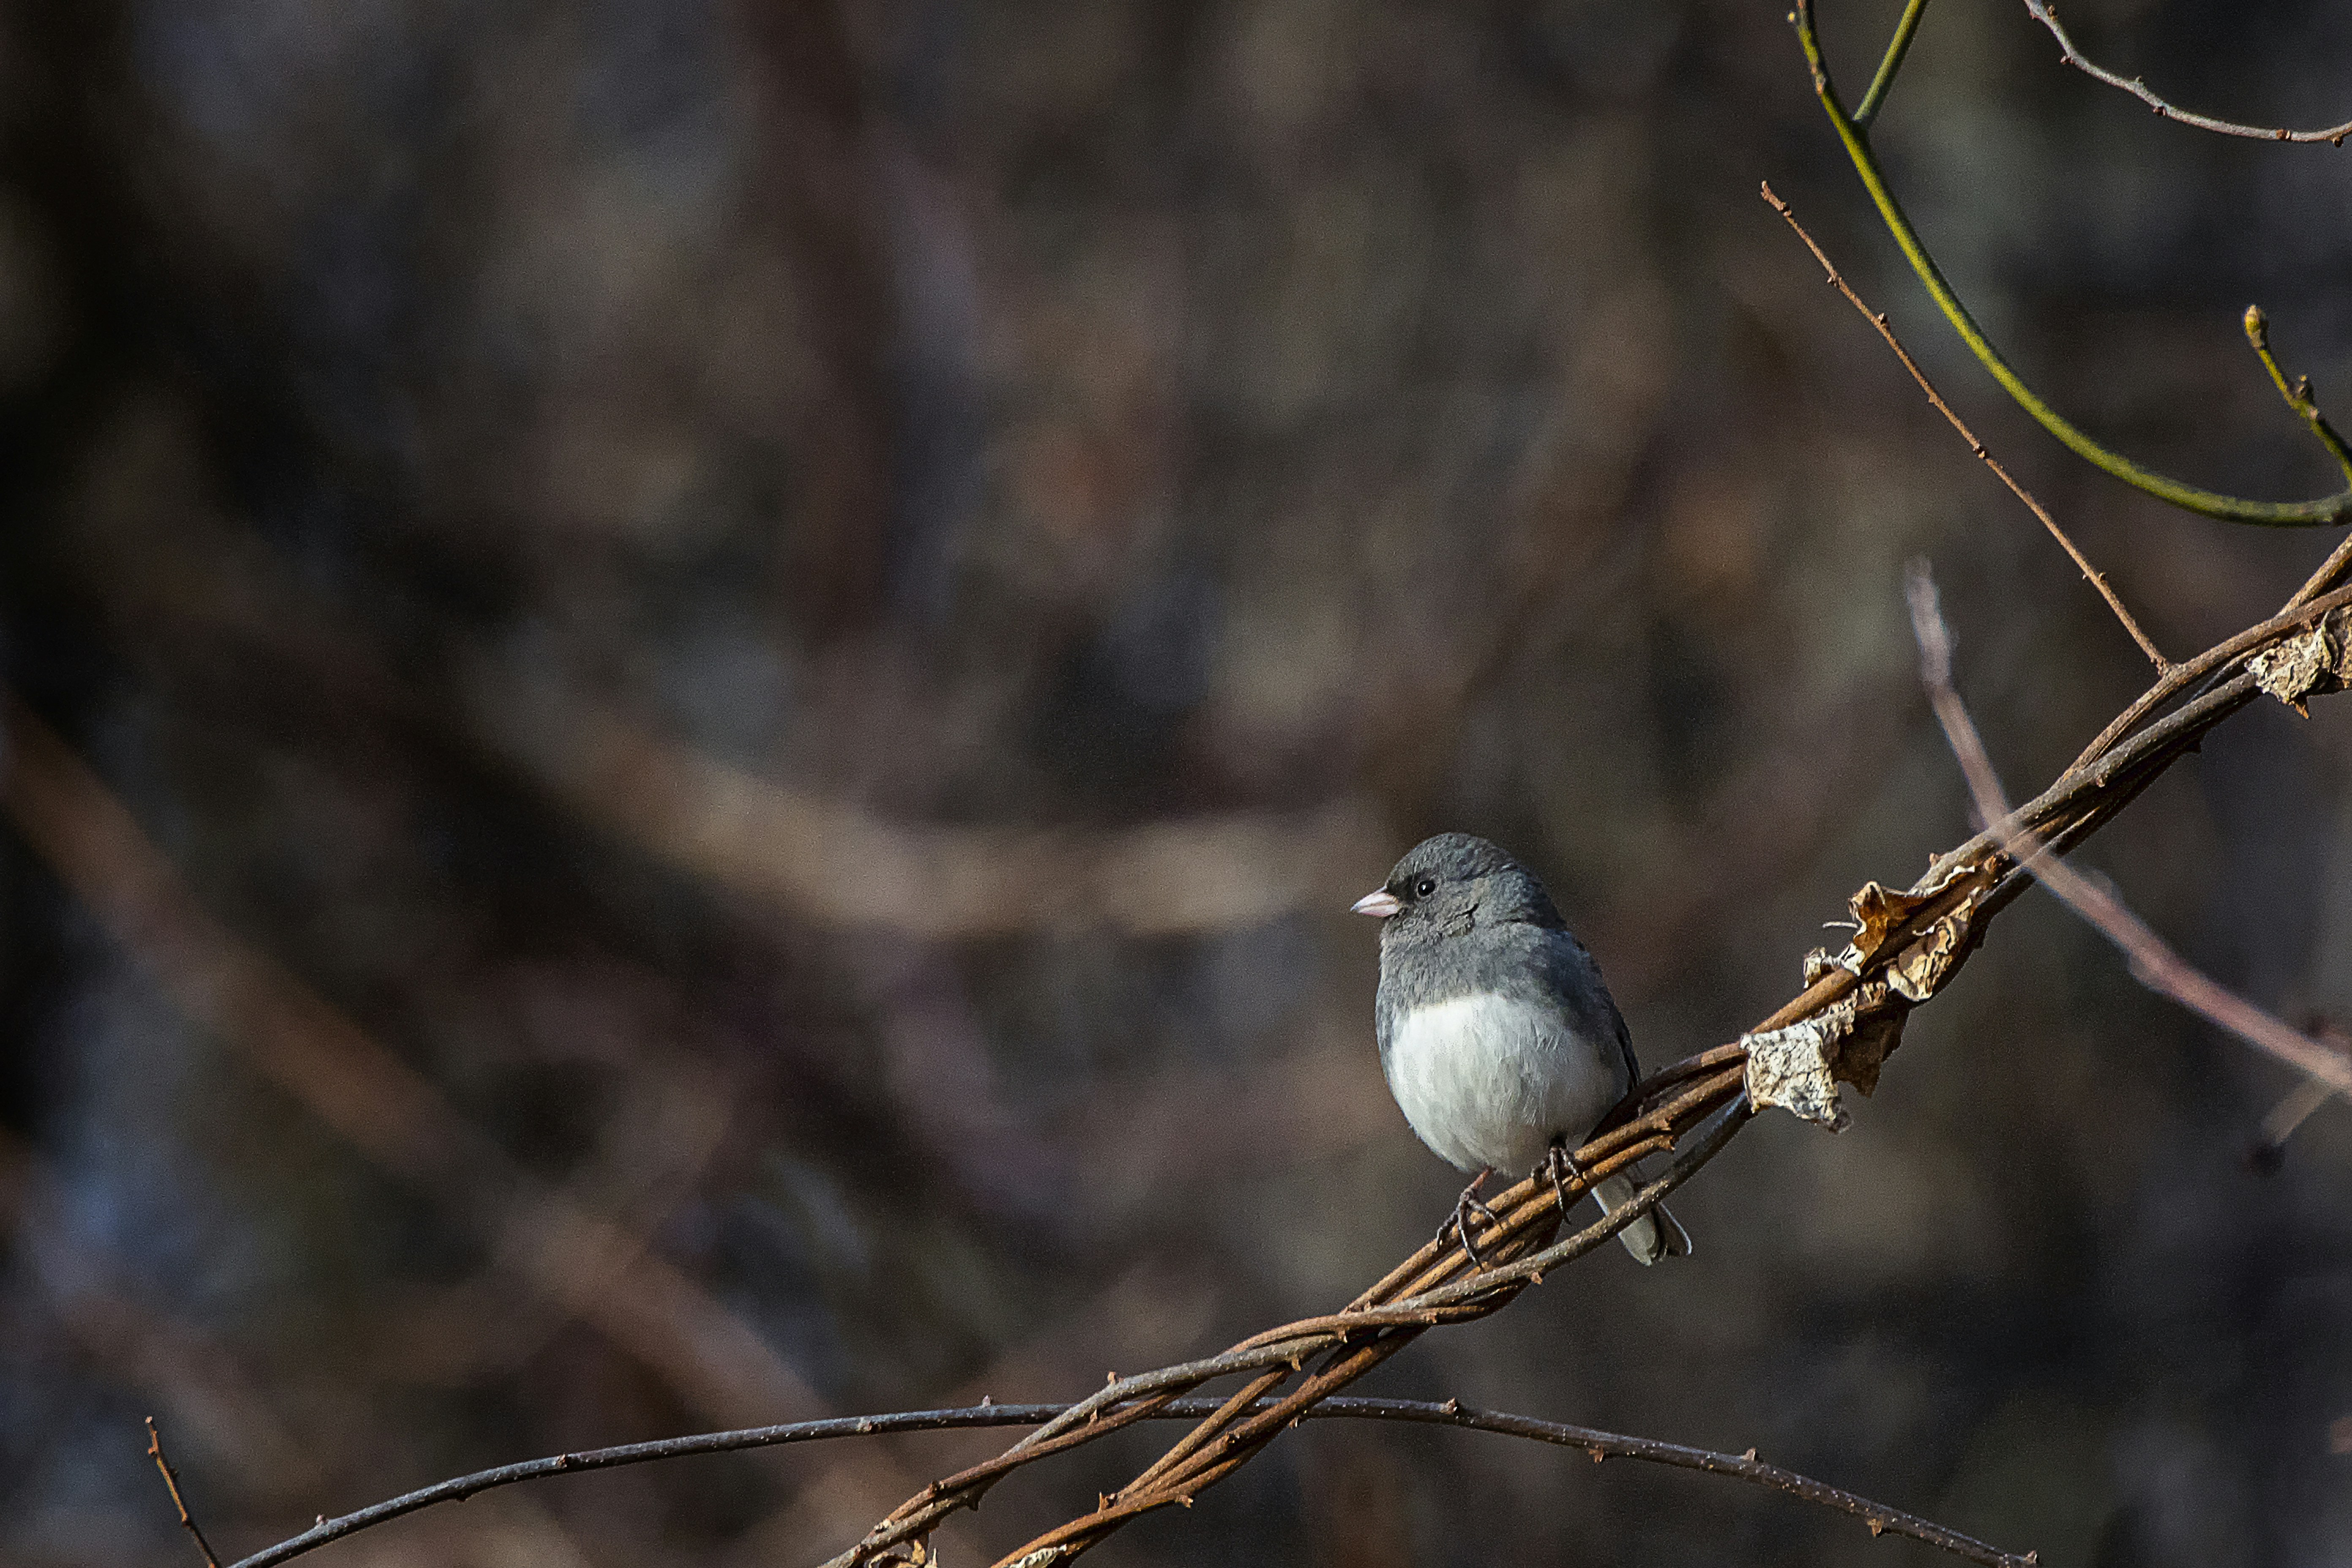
2329,510
1164,1484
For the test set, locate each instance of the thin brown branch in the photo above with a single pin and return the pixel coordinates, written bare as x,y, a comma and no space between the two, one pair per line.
2302,611
2330,574
172,1481
2153,962
1435,1287
2046,13
1747,1467
1598,1444
2293,1109
1878,319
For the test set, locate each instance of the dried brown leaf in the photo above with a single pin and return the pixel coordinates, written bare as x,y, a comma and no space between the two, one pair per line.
1920,969
1867,1046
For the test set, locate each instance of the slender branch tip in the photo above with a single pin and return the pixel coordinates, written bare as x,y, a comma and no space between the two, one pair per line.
171,1484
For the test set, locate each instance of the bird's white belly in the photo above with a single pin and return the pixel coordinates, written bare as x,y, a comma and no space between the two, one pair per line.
1489,1081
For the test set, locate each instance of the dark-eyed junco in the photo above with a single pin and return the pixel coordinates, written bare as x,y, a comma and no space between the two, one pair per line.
1500,1043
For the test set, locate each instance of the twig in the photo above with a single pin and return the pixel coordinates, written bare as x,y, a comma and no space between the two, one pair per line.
1599,1445
2297,393
172,1481
2152,961
2178,677
1603,1446
2293,1109
1889,63
2331,573
1878,319
1955,890
2332,509
1413,1297
2045,13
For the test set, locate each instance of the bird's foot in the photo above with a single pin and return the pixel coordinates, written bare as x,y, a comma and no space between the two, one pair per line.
1459,1221
1561,1167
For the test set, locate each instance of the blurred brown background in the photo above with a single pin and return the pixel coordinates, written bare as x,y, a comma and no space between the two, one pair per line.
752,651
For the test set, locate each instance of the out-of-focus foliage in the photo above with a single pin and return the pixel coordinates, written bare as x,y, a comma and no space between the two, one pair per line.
811,614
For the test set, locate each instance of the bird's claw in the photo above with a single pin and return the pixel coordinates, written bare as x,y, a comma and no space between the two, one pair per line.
1459,1221
1561,1167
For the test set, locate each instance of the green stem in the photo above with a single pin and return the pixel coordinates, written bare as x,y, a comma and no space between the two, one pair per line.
2297,393
1896,47
2210,503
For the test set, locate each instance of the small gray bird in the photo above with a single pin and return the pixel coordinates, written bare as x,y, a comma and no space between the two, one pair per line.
1500,1043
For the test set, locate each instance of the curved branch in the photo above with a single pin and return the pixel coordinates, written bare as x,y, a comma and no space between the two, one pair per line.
2329,510
1430,1289
2046,13
1599,1445
1414,1297
2153,961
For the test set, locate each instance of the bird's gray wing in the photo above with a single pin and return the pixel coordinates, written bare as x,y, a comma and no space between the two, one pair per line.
1625,1047
1574,984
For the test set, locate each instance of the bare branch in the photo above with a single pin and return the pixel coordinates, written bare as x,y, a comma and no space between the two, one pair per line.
2302,611
1598,1444
1437,1285
1878,319
2046,13
172,1481
2292,1111
2153,962
2326,509
1926,932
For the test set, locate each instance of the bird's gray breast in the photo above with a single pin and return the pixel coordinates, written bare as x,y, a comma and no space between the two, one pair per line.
1489,1079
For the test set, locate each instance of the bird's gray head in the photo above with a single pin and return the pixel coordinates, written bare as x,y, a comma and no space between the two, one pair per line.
1449,884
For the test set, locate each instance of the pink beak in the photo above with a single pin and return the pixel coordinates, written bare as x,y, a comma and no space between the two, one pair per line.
1380,905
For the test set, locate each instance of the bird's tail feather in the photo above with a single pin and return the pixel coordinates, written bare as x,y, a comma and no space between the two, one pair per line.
1654,1235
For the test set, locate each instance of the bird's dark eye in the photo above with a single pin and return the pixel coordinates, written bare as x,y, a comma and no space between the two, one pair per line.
1425,886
